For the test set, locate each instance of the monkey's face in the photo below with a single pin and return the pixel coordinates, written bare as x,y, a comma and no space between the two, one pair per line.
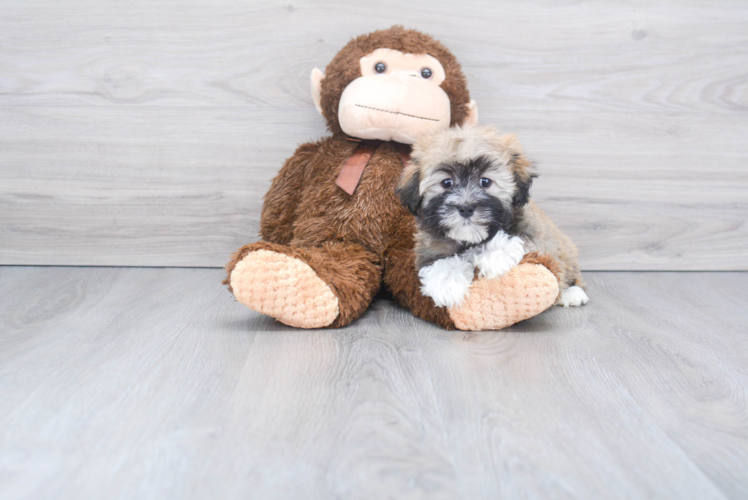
396,98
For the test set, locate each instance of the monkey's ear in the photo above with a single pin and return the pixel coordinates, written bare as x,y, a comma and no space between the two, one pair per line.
408,191
317,77
472,116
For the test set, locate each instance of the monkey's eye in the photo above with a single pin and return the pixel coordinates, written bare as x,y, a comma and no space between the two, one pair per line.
447,183
485,182
380,67
426,73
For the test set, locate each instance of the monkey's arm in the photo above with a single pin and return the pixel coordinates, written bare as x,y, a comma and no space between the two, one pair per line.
279,208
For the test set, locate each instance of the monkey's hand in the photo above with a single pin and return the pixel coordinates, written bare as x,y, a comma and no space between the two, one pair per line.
447,281
499,255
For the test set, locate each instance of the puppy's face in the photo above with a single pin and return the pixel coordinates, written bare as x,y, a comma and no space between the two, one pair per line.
465,184
467,201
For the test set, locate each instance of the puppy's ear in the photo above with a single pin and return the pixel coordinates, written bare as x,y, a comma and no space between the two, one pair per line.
521,167
408,190
523,176
522,195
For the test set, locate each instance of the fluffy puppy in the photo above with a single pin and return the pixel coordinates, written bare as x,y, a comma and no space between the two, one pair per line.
469,190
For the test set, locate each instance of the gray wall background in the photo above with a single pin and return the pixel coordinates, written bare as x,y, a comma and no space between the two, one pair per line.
146,133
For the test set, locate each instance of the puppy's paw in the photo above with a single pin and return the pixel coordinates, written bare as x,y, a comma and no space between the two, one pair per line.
501,254
447,281
573,296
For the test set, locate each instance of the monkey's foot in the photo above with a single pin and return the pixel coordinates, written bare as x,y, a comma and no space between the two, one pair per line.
284,288
524,292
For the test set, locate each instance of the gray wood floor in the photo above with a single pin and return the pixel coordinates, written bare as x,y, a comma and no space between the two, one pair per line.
155,383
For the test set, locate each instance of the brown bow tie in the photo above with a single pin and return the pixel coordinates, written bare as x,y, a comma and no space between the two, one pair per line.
354,166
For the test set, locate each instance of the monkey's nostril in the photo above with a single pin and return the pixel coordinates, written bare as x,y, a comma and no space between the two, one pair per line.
466,210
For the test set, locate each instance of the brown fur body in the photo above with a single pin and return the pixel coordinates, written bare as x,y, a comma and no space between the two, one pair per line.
354,243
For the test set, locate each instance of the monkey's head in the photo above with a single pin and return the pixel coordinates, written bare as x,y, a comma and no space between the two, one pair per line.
393,85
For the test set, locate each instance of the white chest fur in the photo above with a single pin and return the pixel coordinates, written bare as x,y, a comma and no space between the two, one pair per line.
448,280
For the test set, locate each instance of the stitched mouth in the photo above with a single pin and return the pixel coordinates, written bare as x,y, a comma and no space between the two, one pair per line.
396,113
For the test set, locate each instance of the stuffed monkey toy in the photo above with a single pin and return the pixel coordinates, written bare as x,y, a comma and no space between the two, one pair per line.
334,231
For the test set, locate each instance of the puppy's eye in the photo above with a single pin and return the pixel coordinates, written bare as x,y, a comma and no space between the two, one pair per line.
380,67
485,182
447,183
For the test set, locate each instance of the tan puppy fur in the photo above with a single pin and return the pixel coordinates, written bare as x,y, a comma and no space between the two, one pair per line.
469,189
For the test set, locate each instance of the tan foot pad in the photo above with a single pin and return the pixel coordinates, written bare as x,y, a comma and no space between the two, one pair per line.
524,292
284,288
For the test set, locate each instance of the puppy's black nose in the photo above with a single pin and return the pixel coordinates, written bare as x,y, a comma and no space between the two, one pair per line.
466,210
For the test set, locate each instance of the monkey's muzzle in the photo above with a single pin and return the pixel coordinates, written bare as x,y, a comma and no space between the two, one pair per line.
393,108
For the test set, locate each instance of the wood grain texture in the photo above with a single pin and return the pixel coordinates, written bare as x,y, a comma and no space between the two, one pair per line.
154,383
146,134
623,56
185,187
